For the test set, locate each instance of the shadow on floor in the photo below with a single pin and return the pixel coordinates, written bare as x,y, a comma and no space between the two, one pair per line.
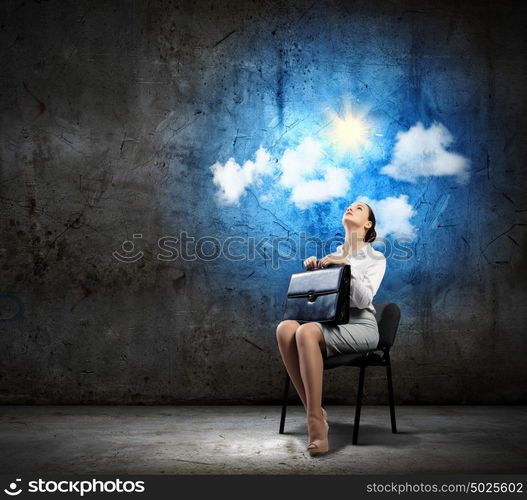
341,434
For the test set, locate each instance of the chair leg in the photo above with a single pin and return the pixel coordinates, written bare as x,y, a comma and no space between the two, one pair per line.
390,395
358,405
284,403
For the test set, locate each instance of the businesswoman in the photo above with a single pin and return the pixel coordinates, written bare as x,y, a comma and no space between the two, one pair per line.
303,346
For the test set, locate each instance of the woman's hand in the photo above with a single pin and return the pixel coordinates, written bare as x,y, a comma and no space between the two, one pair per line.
311,263
330,259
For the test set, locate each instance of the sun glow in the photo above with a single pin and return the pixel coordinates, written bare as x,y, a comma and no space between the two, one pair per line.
349,131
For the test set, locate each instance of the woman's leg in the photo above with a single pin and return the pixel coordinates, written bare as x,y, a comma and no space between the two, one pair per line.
285,335
310,343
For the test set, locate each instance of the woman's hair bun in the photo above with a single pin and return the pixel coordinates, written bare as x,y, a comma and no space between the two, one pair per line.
371,234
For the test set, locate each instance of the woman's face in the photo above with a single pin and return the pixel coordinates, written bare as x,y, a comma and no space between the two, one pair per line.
356,216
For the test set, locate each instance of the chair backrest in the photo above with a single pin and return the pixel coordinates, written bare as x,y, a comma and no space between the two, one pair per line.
388,315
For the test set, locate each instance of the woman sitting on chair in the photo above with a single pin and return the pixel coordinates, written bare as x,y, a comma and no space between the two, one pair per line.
303,347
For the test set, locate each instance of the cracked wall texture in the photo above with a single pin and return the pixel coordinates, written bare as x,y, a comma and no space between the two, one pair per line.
112,113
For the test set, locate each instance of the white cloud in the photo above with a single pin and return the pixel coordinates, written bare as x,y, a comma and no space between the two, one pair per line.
299,163
421,152
233,179
310,181
303,172
335,184
393,216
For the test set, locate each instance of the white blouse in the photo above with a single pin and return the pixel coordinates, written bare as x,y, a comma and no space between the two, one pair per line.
367,267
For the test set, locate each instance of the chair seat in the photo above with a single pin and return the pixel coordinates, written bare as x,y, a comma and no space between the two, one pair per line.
353,359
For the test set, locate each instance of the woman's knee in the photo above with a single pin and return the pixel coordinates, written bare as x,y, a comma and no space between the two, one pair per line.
286,329
308,332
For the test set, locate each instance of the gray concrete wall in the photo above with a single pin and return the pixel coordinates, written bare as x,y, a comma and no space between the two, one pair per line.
112,114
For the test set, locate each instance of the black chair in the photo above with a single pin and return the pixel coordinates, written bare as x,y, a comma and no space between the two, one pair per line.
388,316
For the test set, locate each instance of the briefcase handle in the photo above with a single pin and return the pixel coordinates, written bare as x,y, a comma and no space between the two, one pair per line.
304,267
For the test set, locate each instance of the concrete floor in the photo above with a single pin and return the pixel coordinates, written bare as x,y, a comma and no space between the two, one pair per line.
245,440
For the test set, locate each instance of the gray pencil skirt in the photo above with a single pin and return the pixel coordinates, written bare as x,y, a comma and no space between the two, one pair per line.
360,334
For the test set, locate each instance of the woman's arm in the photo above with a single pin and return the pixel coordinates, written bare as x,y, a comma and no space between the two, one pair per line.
363,287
